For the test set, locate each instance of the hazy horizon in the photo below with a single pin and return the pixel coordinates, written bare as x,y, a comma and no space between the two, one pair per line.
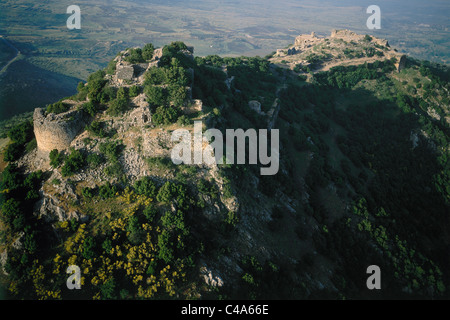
55,57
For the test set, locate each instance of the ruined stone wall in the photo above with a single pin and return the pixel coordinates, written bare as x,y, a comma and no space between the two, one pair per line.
346,35
56,131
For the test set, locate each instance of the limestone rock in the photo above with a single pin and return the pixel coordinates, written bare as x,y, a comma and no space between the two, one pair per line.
209,278
125,72
401,63
304,41
3,259
255,106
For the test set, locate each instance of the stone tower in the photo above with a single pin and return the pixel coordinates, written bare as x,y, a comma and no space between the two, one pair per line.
56,131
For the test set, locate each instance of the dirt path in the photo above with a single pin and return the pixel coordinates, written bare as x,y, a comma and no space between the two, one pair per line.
13,59
351,62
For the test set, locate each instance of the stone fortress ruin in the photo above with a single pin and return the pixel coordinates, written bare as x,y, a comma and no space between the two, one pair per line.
338,41
57,131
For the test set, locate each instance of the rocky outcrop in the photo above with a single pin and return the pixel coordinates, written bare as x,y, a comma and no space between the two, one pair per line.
346,35
273,114
56,131
255,106
401,62
306,40
210,278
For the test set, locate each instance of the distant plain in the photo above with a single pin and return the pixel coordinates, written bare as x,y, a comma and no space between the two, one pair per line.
53,59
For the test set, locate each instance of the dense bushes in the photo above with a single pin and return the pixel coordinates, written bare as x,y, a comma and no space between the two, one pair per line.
120,104
94,160
20,135
166,85
74,162
156,96
97,129
138,55
95,86
146,186
171,191
18,192
112,150
58,107
90,108
56,158
348,77
174,78
165,115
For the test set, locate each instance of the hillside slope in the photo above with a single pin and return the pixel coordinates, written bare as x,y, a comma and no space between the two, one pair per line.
363,179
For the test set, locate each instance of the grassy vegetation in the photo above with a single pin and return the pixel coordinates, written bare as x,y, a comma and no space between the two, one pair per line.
352,189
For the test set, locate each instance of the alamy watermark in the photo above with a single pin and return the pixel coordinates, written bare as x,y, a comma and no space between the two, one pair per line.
374,281
208,147
74,280
374,21
74,21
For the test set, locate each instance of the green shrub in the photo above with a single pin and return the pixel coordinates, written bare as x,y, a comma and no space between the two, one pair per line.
111,68
184,120
173,191
13,152
165,244
22,132
10,210
146,186
156,96
57,107
108,93
147,51
136,233
107,191
95,89
107,245
30,146
160,162
177,95
74,162
11,180
231,219
134,91
56,158
117,107
165,115
135,56
208,188
112,150
90,108
150,212
82,92
89,248
155,76
97,129
94,160
97,75
87,192
114,170
227,191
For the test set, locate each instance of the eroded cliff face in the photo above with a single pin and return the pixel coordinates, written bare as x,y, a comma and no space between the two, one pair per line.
56,131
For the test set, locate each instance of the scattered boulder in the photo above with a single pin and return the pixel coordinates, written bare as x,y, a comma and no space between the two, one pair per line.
209,278
255,106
